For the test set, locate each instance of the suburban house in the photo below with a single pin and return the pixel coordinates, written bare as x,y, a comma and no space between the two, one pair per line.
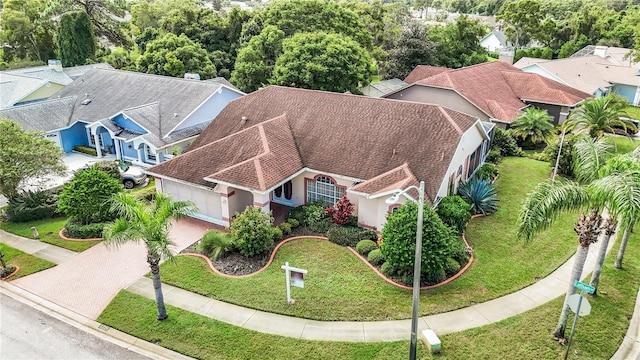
281,147
141,118
495,92
27,85
494,41
599,72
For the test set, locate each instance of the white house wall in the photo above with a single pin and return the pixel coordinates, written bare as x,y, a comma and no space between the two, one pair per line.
207,201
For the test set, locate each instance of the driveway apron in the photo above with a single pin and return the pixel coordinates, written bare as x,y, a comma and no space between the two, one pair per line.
87,282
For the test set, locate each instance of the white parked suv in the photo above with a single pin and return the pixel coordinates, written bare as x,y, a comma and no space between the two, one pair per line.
131,176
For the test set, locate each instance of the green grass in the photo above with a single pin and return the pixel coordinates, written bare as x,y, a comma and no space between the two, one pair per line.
340,287
28,264
48,230
624,144
525,336
633,111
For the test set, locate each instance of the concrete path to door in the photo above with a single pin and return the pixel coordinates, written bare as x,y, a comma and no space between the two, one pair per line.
86,282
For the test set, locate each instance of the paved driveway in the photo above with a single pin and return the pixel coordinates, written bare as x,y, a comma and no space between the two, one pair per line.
87,282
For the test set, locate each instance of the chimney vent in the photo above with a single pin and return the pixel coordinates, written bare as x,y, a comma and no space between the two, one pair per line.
55,65
192,76
243,120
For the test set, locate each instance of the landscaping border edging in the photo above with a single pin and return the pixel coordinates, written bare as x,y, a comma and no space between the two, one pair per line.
13,273
63,237
273,254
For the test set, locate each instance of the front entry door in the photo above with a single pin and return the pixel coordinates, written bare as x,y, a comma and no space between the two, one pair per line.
283,194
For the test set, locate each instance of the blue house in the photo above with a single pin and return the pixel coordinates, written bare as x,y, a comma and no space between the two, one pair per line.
141,118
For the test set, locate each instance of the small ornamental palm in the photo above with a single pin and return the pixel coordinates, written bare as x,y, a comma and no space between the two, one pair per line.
533,125
599,116
149,223
480,194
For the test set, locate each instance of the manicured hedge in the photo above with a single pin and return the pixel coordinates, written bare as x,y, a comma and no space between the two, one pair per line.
78,231
85,150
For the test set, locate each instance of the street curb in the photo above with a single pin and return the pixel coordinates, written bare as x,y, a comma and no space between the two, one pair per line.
92,327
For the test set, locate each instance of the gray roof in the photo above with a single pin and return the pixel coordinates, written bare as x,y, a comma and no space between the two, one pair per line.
157,103
222,81
42,116
382,88
43,73
77,71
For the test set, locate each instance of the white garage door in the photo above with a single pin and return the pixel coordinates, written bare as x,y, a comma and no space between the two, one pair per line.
207,201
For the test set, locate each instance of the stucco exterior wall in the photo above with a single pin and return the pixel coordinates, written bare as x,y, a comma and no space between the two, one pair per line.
43,92
207,201
210,109
444,97
238,200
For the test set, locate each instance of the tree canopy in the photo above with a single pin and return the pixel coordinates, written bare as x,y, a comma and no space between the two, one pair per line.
24,155
321,61
25,33
173,55
412,47
77,42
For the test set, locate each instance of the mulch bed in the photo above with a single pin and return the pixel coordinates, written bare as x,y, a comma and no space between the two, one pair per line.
236,264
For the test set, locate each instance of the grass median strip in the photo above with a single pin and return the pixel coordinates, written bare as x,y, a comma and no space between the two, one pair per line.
48,230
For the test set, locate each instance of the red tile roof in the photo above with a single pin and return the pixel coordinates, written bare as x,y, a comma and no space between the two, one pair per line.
263,138
499,89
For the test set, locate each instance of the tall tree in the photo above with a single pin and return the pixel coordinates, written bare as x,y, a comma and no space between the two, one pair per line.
107,16
25,155
522,19
173,55
255,62
77,42
148,223
413,47
322,61
25,33
459,43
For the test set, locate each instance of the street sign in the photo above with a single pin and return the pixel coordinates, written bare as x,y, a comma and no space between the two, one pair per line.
585,307
584,287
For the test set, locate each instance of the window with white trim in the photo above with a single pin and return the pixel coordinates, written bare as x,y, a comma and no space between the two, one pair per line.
323,189
92,140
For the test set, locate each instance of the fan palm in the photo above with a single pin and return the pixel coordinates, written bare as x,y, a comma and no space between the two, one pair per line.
149,223
533,125
599,116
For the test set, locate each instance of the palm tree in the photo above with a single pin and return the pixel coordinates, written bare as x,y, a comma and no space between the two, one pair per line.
149,223
599,116
618,192
533,125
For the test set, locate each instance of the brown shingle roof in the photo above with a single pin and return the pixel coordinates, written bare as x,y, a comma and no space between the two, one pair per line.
422,72
344,134
398,178
499,88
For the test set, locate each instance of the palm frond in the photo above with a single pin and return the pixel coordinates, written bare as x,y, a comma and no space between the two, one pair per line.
120,232
619,192
545,202
589,156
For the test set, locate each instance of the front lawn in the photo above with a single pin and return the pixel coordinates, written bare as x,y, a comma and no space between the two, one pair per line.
48,230
525,336
625,144
633,111
28,264
340,287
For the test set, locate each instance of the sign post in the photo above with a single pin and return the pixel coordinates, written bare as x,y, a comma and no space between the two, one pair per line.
293,276
575,302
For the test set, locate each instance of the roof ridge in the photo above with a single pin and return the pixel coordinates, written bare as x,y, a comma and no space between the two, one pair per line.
168,78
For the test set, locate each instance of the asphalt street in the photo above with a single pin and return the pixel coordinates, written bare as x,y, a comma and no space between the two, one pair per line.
26,333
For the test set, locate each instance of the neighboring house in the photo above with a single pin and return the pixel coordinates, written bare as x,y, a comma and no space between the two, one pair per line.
280,147
382,87
494,41
495,91
27,85
597,74
141,118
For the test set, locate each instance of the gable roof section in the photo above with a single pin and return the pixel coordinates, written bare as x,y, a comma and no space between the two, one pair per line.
57,113
157,103
344,134
499,89
14,87
422,72
398,178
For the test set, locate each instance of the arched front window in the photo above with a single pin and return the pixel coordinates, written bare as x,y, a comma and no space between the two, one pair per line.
324,189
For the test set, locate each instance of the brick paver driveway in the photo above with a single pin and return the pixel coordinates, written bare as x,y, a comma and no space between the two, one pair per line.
86,283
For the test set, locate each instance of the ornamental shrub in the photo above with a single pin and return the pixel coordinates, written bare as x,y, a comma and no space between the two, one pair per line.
312,214
86,197
434,276
76,230
486,172
32,205
110,167
342,211
252,231
285,227
296,213
375,257
348,235
451,267
399,235
505,143
365,246
215,244
387,269
293,222
494,156
480,194
454,212
277,234
85,150
459,251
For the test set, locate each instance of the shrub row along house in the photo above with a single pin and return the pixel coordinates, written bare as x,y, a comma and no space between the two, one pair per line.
141,118
280,147
493,91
